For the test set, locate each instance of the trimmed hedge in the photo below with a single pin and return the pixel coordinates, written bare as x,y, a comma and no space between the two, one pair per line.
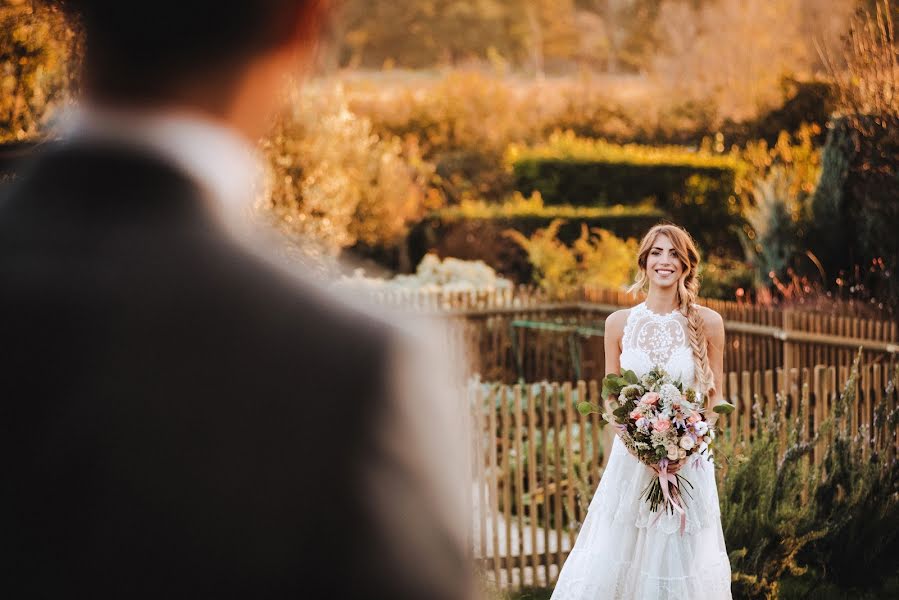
567,146
693,189
519,207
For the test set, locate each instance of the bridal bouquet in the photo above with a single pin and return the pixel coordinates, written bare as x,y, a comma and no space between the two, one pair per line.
662,423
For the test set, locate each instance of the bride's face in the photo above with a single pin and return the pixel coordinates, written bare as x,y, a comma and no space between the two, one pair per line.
663,267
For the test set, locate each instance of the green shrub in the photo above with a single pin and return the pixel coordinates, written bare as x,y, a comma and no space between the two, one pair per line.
725,278
331,179
859,194
782,514
806,102
697,190
765,522
860,497
596,258
475,230
567,146
782,236
776,218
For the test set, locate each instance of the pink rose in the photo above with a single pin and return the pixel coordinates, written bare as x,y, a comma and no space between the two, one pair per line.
635,414
662,425
651,398
694,417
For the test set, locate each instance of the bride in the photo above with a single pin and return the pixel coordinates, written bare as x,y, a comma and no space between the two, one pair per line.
624,550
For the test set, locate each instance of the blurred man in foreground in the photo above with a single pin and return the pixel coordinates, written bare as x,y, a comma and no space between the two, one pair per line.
180,417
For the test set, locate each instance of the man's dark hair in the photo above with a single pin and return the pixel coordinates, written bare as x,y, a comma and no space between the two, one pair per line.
142,48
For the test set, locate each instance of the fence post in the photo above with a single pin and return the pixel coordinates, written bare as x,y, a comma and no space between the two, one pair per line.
819,408
519,480
532,481
494,483
746,399
548,489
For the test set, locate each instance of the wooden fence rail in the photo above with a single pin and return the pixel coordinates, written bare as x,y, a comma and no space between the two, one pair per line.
525,296
537,460
502,334
508,344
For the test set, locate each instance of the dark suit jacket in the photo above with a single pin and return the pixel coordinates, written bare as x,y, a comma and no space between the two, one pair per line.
180,419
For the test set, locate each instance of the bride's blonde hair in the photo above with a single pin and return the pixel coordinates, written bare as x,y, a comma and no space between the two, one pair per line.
687,291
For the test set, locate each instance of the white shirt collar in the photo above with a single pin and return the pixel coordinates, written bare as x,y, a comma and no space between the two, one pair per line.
220,160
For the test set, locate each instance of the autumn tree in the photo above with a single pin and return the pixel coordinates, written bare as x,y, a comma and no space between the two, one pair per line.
730,52
420,33
38,60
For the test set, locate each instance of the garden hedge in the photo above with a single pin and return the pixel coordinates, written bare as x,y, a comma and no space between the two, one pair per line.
695,190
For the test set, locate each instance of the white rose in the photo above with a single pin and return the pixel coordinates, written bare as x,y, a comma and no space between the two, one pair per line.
687,442
672,453
681,453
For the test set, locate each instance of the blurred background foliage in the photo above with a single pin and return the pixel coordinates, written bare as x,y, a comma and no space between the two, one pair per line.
776,120
38,67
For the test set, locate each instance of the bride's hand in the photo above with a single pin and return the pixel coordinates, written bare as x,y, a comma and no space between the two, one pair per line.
673,467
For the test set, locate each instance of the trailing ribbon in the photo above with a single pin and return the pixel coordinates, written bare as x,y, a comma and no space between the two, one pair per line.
673,500
699,462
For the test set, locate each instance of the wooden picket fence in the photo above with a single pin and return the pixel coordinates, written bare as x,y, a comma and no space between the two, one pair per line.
512,334
537,460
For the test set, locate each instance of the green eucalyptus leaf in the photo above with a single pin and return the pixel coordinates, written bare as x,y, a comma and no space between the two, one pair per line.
611,385
724,408
585,408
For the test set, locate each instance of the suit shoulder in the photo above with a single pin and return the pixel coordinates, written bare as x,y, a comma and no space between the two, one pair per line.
276,301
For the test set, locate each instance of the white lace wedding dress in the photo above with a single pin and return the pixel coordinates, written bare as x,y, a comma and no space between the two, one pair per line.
625,551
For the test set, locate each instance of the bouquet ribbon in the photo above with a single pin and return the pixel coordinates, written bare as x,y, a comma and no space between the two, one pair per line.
667,479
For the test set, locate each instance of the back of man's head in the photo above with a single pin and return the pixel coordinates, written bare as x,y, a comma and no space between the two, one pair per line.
141,49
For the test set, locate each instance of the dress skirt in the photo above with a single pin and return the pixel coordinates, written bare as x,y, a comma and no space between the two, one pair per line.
625,551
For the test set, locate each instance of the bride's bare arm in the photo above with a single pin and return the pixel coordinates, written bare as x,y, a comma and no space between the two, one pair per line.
614,330
714,331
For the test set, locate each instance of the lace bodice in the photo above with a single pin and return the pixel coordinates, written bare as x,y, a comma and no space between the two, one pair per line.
653,339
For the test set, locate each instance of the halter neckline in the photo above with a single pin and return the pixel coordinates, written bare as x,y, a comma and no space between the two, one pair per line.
655,314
